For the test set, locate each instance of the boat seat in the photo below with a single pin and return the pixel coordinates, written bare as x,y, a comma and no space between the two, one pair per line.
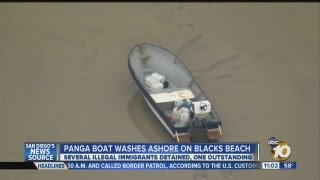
172,96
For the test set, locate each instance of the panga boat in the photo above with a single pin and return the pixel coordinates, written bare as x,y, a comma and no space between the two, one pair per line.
172,93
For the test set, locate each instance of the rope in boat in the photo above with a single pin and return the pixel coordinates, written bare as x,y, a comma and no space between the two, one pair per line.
177,136
220,131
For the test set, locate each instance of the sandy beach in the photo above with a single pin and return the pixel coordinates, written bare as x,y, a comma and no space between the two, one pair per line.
64,77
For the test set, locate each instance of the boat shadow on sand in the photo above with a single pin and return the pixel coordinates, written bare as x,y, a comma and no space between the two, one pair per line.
151,128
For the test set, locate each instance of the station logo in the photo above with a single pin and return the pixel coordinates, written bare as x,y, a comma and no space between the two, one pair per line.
280,150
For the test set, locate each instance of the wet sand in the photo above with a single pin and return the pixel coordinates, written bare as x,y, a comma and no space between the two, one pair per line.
64,77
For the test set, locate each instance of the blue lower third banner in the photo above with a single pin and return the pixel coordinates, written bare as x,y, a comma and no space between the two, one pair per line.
164,165
157,148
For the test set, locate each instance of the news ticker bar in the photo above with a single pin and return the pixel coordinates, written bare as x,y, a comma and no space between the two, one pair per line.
141,165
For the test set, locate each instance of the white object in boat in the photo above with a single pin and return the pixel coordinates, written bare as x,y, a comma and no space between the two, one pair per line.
156,87
185,110
178,103
201,108
185,117
159,77
176,114
172,96
149,80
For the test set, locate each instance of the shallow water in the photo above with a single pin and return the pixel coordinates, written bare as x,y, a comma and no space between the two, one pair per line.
64,77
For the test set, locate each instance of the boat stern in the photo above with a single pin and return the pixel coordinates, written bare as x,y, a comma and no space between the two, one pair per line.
215,134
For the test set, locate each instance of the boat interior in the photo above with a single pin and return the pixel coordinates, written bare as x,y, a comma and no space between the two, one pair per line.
168,82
